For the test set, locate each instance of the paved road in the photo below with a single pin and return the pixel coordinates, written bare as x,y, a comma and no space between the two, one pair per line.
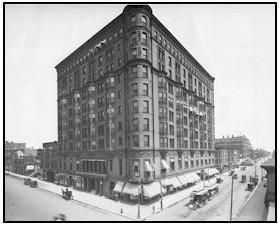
218,208
23,203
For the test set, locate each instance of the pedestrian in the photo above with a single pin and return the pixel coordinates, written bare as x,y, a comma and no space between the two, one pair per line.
153,207
121,211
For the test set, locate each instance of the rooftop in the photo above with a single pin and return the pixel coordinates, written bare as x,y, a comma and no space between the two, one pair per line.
269,163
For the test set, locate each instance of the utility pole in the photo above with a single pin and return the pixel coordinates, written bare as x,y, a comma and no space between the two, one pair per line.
231,199
161,192
139,200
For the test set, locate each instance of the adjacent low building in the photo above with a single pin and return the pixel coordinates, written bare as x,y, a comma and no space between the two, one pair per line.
50,161
270,197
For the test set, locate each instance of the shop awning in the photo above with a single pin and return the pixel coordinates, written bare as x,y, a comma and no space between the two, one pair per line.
172,181
212,187
164,164
182,179
192,177
131,189
147,166
152,189
211,171
202,192
118,186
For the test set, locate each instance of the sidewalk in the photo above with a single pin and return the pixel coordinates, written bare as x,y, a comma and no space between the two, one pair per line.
129,210
254,208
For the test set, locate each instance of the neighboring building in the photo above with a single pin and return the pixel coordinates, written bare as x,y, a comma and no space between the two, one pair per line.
14,146
236,148
50,161
270,198
11,149
133,106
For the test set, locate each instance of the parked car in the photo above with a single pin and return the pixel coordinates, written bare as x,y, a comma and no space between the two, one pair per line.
219,180
243,179
235,176
33,183
27,181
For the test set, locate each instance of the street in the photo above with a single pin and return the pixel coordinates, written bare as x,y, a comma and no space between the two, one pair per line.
23,203
218,209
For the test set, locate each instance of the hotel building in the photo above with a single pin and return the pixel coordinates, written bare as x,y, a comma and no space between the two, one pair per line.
134,106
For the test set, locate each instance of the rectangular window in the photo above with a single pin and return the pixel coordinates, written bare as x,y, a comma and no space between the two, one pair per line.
136,141
134,53
144,71
134,37
119,125
186,164
135,89
134,71
120,109
170,88
172,164
145,89
136,168
144,53
135,124
161,142
145,106
120,141
144,37
120,167
146,124
135,106
171,130
171,142
170,61
110,165
146,141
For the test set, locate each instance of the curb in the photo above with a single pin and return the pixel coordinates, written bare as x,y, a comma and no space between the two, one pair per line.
246,202
80,202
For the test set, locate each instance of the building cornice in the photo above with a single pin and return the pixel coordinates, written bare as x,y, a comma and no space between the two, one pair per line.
182,48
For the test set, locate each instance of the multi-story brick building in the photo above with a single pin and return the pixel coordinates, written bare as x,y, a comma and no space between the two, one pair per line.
49,161
230,150
133,106
11,149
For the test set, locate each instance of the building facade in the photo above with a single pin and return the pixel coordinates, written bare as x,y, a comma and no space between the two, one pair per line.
49,161
230,150
134,106
11,149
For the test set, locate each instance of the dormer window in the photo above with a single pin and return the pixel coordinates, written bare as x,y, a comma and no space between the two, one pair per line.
133,19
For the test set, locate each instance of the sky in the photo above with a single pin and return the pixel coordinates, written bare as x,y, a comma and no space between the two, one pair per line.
234,43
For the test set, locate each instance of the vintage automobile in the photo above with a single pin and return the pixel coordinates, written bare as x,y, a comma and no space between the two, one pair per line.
67,195
33,183
60,217
243,179
250,186
219,180
235,176
27,181
198,199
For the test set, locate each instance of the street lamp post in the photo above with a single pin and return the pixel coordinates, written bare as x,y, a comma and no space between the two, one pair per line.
139,200
231,198
161,195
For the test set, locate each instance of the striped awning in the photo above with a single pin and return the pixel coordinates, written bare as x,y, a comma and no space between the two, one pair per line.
118,186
